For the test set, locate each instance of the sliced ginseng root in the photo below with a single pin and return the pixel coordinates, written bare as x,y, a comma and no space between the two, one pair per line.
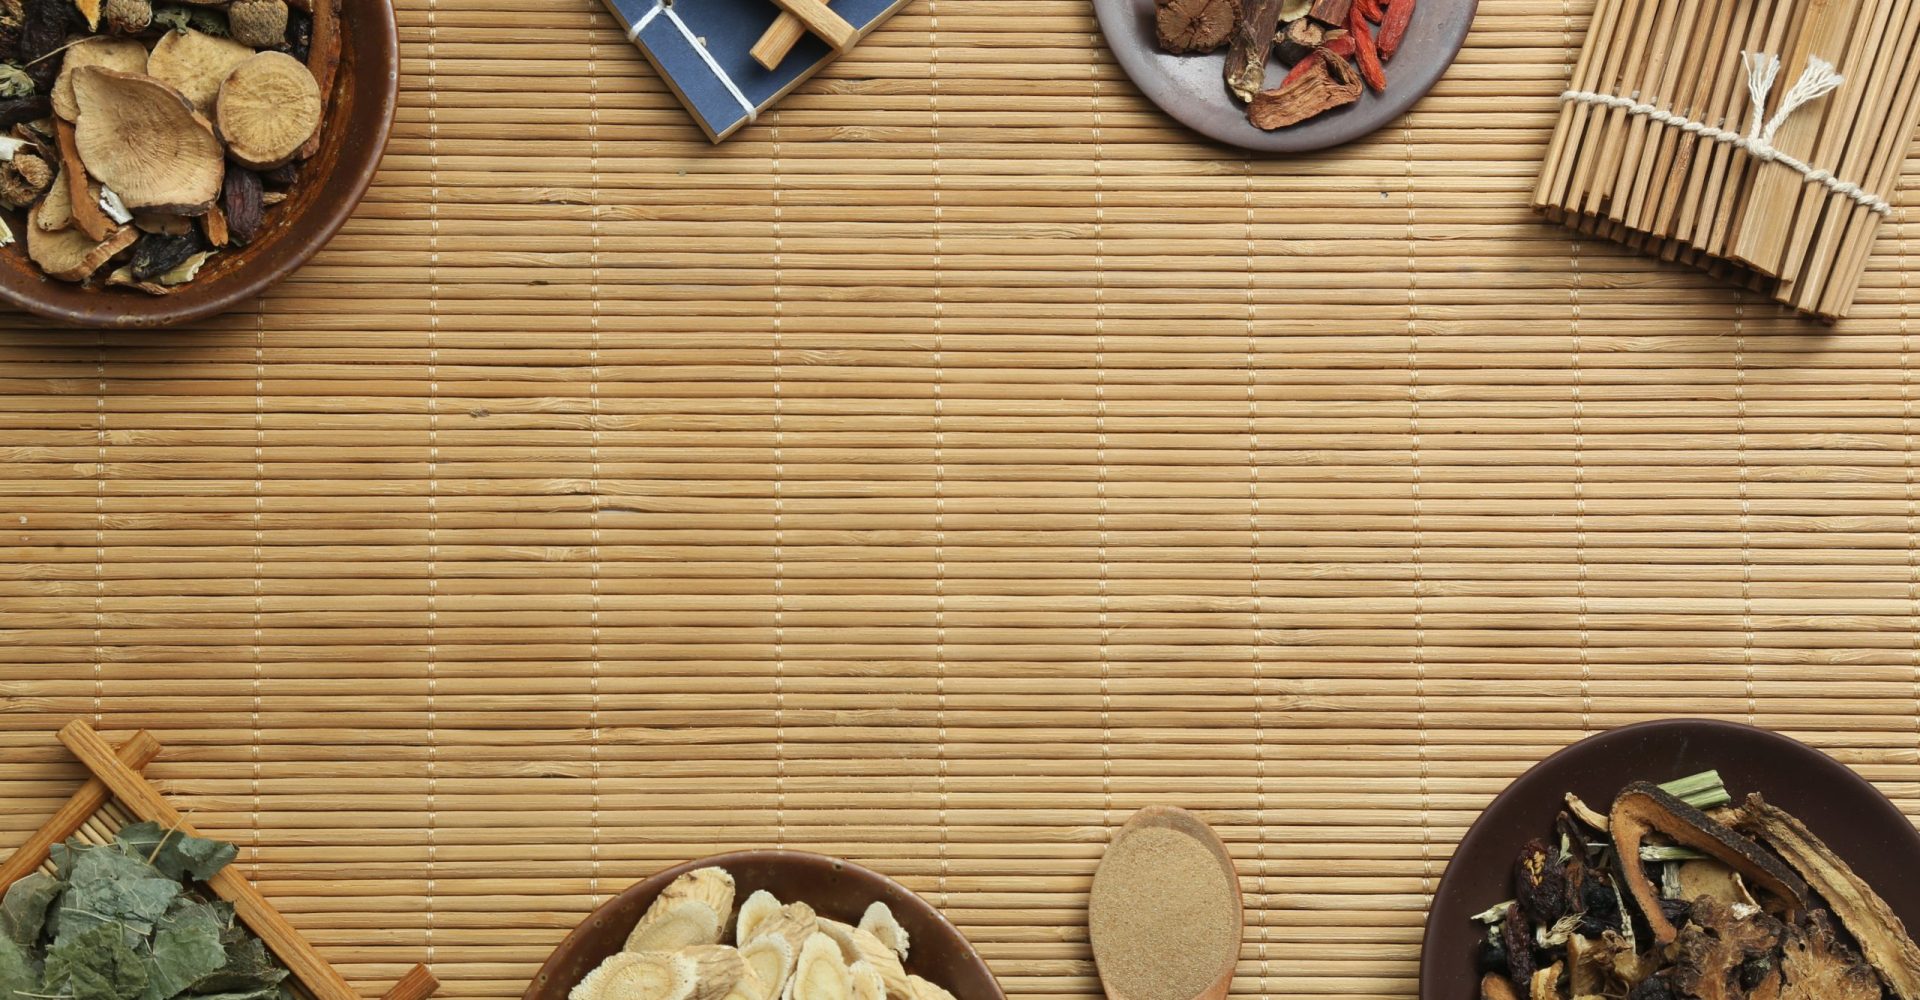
71,255
921,989
794,923
1883,938
142,139
267,109
757,908
867,984
195,64
880,922
126,55
1643,808
771,959
820,973
690,911
857,946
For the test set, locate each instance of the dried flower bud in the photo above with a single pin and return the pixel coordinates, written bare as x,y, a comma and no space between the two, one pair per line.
261,24
127,17
23,180
14,82
1516,935
1540,883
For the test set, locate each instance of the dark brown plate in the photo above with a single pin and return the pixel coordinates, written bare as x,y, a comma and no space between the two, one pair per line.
937,951
1193,89
1841,807
330,186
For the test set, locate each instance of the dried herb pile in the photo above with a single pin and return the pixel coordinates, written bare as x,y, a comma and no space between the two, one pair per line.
781,951
140,139
1678,892
1336,48
128,921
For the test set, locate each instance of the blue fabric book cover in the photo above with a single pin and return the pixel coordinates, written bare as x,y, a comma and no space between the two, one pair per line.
702,48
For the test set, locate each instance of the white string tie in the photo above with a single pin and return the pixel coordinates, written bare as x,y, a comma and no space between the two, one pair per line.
1763,72
666,7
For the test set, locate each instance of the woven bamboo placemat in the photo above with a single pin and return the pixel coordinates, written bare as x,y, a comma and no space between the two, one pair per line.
932,475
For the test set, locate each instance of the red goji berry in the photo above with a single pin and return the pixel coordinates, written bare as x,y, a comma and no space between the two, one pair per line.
1300,69
1364,51
1393,27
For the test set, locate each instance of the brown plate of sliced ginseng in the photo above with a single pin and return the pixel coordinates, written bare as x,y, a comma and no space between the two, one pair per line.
1680,859
1285,76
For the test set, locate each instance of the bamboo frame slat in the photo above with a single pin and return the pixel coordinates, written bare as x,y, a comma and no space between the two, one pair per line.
135,754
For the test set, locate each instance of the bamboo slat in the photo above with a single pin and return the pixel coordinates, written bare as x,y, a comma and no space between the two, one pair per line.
951,463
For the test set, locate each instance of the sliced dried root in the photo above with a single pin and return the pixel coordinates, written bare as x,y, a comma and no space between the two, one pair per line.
141,138
71,255
771,959
690,911
794,923
636,976
196,64
920,989
880,922
857,945
820,973
82,204
267,109
867,984
127,55
758,907
55,211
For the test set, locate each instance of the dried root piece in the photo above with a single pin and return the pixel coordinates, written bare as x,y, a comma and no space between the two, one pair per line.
127,55
1643,808
921,989
820,973
261,24
196,64
163,223
794,922
867,983
166,282
214,226
142,139
1883,937
1330,82
1251,43
1496,987
1191,26
690,911
718,972
858,946
55,211
83,203
880,922
323,58
771,959
1298,38
267,109
71,255
1546,984
638,976
758,907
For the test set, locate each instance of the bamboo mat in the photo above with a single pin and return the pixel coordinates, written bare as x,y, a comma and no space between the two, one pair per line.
935,473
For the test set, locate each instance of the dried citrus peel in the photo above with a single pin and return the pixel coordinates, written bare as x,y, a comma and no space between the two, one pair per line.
1643,808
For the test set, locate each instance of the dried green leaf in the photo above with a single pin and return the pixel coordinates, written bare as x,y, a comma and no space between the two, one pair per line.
249,969
110,884
19,973
186,949
23,914
97,964
175,854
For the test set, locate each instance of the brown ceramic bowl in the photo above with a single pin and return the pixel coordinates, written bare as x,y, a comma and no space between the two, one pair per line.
1842,808
937,951
331,184
1193,88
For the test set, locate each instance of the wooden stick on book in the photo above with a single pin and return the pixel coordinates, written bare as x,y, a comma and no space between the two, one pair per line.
797,17
140,798
135,754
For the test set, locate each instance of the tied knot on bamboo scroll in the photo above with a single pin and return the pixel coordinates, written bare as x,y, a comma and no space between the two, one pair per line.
1763,73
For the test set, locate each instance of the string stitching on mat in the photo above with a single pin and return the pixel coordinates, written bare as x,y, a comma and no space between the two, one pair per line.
99,524
1763,69
1580,554
1746,504
1419,517
1906,435
433,462
593,452
259,565
939,437
779,498
1100,432
693,41
1254,587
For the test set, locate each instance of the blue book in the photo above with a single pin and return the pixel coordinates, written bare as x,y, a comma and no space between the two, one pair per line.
701,48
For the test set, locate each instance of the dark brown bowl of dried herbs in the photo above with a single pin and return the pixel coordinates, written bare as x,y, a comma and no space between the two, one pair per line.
162,162
129,918
1680,859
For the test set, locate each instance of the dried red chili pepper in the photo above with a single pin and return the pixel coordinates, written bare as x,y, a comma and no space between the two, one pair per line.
1364,52
1393,26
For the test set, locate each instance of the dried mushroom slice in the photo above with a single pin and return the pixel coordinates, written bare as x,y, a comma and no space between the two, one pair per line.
70,255
1643,808
1882,936
127,55
142,139
196,64
268,108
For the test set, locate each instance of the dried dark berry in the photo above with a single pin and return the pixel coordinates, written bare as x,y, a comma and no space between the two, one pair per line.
1517,937
240,200
1676,910
156,254
43,31
1653,988
299,34
24,109
1493,959
1599,909
1540,883
282,176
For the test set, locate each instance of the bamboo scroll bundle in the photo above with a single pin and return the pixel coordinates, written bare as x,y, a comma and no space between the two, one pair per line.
1757,140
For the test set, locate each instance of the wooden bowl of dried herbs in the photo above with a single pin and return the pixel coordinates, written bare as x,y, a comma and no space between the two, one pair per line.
1684,858
162,162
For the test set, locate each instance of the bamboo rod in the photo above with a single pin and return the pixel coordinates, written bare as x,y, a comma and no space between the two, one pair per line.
136,753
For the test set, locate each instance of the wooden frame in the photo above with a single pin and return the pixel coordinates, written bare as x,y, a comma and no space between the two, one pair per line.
116,776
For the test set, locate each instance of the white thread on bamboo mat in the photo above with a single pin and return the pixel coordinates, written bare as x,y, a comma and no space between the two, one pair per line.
939,442
779,498
593,453
1763,71
666,7
1746,501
